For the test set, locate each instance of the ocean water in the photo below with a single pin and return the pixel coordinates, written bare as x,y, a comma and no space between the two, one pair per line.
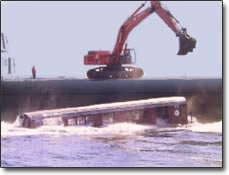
116,145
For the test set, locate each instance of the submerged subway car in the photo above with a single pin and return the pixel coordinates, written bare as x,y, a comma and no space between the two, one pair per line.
172,110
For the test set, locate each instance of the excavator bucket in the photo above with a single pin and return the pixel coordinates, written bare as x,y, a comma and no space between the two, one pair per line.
187,44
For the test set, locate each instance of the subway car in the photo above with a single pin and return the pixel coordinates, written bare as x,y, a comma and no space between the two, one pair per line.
171,110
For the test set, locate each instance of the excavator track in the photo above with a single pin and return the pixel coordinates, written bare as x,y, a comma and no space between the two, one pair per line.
106,73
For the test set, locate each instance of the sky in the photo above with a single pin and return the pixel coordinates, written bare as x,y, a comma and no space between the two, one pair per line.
55,36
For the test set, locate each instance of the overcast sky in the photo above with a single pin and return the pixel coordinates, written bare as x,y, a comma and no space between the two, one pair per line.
55,36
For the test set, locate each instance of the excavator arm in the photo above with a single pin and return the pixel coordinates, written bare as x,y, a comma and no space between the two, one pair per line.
166,16
187,43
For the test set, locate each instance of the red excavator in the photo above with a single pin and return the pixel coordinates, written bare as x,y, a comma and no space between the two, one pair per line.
122,55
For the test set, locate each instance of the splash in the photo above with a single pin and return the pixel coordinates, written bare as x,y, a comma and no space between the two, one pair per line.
196,126
9,129
122,129
114,129
210,127
6,128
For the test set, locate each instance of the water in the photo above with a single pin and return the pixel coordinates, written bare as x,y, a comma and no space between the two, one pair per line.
117,145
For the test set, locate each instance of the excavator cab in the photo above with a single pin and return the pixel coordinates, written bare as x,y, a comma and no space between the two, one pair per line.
128,56
187,43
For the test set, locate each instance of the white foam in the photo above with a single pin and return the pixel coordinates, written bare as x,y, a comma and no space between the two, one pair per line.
114,129
210,127
196,126
121,129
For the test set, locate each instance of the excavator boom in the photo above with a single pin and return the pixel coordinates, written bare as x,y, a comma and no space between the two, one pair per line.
135,19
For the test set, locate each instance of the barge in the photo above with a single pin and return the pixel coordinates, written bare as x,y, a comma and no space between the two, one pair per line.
172,110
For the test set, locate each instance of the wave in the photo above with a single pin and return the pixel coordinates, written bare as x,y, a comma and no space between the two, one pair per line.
215,127
120,129
114,129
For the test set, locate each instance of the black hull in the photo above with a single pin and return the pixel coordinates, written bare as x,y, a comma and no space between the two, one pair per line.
204,95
